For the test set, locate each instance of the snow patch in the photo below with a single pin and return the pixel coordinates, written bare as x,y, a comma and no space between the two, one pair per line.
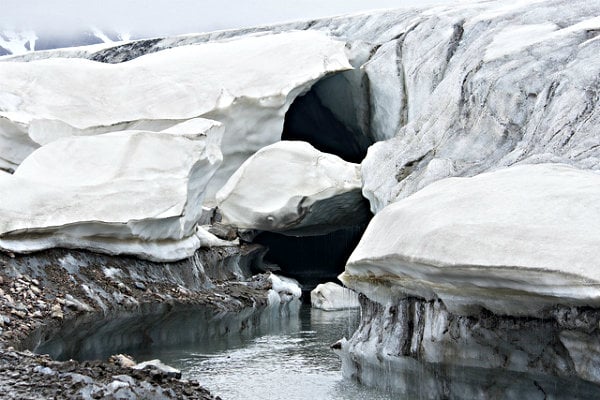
287,288
330,297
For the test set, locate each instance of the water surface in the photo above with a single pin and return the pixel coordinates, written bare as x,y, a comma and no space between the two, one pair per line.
288,358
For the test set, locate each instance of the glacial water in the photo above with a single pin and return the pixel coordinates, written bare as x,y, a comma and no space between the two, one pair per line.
286,358
277,353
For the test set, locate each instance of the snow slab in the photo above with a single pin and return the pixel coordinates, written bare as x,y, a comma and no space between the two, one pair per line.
515,241
246,83
292,188
128,192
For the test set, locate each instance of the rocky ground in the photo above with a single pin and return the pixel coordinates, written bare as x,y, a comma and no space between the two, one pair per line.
39,293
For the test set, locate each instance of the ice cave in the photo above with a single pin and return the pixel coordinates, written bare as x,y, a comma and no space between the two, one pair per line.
398,203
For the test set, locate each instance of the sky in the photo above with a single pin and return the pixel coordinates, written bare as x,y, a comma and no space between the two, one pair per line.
146,18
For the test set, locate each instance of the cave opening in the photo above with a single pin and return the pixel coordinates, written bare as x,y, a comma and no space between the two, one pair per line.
327,117
311,259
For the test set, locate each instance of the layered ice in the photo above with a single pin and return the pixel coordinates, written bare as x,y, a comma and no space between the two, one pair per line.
128,192
292,188
482,286
529,231
469,89
228,81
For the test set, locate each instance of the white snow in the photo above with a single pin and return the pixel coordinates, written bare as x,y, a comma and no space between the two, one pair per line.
515,38
133,192
111,273
528,230
246,83
291,187
15,42
207,239
330,297
158,365
287,288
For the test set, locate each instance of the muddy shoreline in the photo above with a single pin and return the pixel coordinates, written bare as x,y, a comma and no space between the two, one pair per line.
41,292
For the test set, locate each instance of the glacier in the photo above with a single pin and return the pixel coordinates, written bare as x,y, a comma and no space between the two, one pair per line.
478,272
488,242
127,192
290,187
482,287
227,81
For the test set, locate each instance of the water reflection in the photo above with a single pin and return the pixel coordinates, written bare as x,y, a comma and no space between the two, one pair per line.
284,354
290,360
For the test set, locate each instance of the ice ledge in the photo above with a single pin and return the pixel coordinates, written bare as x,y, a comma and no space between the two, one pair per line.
128,192
516,242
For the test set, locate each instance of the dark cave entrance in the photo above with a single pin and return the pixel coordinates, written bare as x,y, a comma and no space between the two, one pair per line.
325,117
311,259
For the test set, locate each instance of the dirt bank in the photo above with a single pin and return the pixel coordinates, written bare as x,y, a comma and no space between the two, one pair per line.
41,292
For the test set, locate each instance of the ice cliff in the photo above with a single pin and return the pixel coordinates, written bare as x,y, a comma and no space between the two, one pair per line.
228,81
495,274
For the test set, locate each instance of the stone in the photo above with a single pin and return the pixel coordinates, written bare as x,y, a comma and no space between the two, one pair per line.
76,304
222,231
20,314
158,367
56,312
122,360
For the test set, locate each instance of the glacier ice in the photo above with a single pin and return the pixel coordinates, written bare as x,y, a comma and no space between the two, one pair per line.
459,90
283,290
292,188
127,192
491,86
228,81
482,285
489,240
330,296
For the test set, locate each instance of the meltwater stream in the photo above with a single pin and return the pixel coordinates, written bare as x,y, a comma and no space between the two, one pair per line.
287,359
271,353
